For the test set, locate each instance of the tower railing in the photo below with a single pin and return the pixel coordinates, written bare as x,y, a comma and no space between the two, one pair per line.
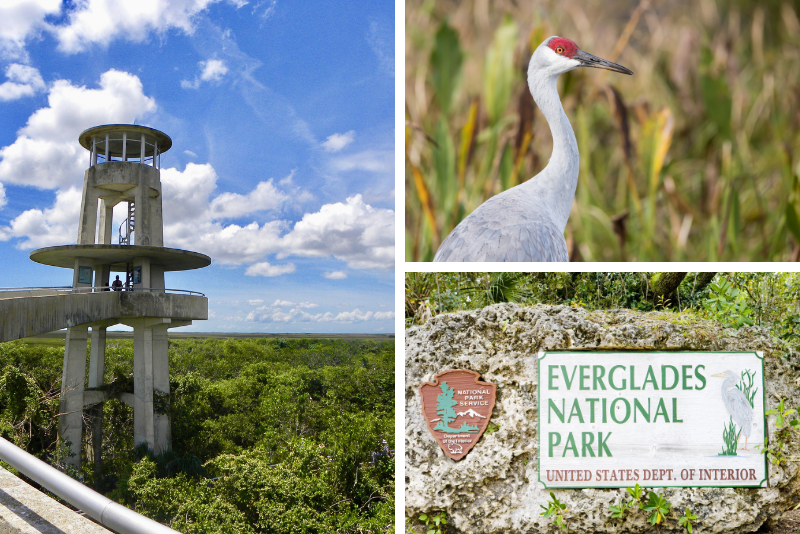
48,291
143,149
99,507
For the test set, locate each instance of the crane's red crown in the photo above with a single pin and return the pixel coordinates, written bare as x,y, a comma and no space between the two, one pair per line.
563,46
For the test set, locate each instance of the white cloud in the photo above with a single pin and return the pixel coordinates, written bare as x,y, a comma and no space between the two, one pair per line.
369,160
227,245
287,180
19,19
53,226
101,21
336,142
186,193
255,302
213,70
189,221
307,305
23,81
265,269
264,197
382,46
298,315
335,275
268,11
190,153
210,71
46,153
354,232
282,303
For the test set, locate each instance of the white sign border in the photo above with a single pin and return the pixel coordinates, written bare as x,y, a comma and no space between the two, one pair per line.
542,353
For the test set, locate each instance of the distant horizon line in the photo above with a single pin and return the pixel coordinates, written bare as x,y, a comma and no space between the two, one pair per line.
314,335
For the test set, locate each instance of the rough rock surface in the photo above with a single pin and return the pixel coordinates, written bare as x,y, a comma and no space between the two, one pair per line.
495,488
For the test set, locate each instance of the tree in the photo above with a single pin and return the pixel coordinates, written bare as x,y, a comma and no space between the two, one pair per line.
444,407
665,285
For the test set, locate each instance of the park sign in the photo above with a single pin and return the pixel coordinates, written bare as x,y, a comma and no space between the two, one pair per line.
657,419
457,407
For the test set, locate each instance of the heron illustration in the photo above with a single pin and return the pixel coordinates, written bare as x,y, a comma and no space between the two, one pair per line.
737,404
527,222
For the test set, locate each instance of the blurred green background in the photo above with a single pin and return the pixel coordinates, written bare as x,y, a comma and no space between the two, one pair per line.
694,158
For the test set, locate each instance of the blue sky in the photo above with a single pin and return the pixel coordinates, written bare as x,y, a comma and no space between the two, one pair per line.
282,164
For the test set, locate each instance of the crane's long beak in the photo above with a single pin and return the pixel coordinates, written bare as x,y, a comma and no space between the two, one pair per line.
588,60
720,375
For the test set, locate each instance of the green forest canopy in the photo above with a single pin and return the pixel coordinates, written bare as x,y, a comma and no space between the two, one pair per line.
735,299
269,435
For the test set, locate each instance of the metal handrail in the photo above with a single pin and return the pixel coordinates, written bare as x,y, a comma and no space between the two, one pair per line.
98,507
103,289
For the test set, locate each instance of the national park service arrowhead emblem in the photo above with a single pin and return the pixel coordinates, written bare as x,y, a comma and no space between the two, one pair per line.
457,407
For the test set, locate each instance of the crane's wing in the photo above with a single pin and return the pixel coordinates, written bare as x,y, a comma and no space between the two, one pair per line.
740,409
504,229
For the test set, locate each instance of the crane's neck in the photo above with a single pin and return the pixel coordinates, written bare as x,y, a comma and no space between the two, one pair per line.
557,182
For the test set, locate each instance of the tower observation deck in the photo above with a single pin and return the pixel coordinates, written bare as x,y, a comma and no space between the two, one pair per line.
124,168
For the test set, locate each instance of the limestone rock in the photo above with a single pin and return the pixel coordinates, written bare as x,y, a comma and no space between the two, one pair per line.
495,488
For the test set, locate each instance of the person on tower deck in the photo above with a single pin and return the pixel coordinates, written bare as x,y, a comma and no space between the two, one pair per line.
116,285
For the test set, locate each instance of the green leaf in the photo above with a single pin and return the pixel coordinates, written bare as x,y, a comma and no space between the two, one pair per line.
793,220
499,70
446,59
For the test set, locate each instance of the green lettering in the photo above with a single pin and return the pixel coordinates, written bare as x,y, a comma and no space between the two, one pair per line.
553,443
633,386
591,408
650,377
611,378
551,376
598,377
604,411
587,446
640,407
601,444
675,411
664,377
661,410
686,376
570,439
568,380
576,411
614,411
559,413
700,377
584,376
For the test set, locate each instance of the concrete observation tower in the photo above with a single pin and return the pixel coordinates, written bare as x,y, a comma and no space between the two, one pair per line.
124,167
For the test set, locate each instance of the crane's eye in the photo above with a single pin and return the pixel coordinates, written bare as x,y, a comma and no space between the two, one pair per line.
559,49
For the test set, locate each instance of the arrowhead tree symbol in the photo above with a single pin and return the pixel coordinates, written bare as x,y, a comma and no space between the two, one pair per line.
444,407
440,397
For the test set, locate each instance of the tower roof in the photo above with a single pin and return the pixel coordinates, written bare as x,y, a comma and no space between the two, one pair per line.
134,132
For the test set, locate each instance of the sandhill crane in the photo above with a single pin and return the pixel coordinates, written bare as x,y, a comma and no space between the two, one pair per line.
737,404
527,222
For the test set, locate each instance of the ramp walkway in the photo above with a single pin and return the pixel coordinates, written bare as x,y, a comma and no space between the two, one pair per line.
26,312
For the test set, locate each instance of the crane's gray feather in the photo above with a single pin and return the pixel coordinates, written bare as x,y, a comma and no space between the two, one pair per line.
505,228
739,408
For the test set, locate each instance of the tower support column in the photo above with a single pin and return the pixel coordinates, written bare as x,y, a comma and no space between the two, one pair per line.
163,435
70,422
97,360
151,384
